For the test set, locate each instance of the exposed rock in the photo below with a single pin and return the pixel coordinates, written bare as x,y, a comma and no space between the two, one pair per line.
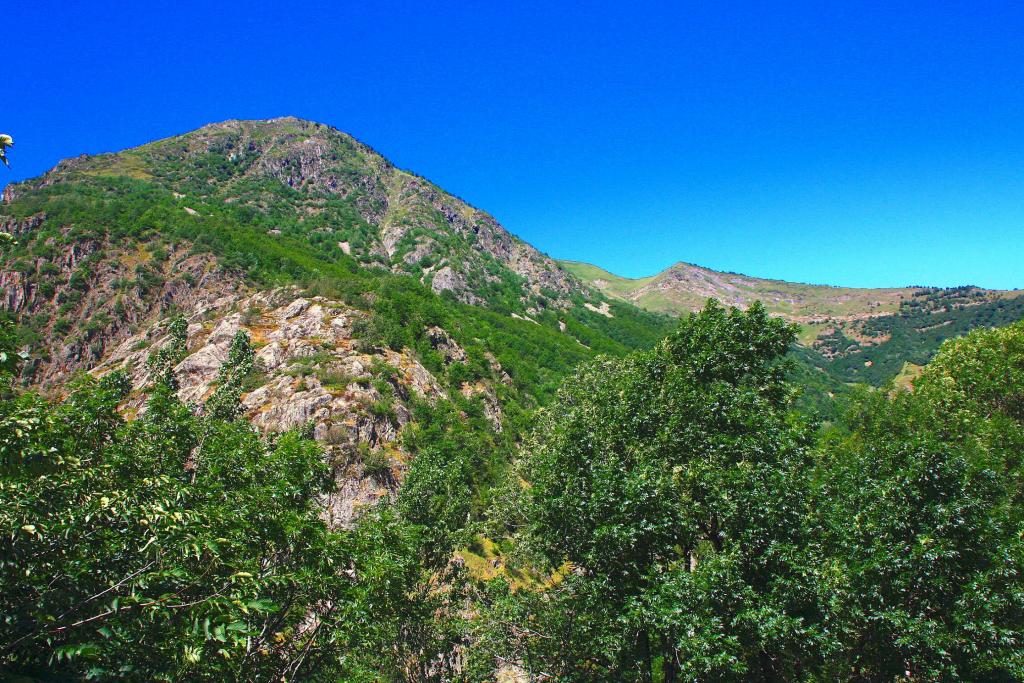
17,292
492,409
198,371
447,279
445,345
19,227
312,375
520,317
101,313
497,369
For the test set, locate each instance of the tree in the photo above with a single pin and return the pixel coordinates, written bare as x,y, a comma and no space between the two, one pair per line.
225,402
117,563
161,363
454,458
920,498
674,484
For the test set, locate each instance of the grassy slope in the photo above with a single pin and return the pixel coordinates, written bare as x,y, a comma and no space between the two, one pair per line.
685,287
611,284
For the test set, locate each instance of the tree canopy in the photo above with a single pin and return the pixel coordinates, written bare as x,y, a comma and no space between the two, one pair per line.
670,517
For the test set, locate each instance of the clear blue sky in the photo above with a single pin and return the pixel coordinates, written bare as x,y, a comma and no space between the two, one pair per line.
849,143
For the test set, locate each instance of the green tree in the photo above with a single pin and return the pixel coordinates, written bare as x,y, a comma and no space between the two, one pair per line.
456,460
116,562
921,503
161,363
225,402
673,483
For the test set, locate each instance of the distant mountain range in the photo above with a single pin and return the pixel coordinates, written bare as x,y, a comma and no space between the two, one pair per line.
857,334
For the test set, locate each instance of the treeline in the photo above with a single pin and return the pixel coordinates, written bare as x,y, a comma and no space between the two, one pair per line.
670,517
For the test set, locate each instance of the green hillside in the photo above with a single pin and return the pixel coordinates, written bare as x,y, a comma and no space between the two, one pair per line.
102,244
855,335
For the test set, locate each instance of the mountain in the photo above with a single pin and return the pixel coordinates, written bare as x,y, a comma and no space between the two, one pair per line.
684,287
304,179
374,301
109,246
855,334
106,242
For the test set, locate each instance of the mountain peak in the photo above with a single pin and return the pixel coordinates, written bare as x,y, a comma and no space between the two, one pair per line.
307,180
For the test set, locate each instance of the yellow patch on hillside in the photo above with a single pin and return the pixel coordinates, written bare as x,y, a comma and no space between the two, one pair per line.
908,373
489,564
139,255
122,165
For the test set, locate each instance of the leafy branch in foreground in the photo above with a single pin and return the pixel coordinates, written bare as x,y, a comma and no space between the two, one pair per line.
179,546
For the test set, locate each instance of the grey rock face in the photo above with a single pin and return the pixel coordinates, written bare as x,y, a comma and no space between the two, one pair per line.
312,373
103,313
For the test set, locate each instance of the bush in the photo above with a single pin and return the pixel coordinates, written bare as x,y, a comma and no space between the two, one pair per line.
375,462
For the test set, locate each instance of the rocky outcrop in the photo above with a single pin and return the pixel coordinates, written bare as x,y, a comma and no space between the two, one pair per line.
416,203
18,227
489,399
312,374
442,342
448,279
87,296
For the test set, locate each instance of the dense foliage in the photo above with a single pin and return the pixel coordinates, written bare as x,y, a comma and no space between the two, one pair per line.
183,545
676,487
915,333
697,532
670,518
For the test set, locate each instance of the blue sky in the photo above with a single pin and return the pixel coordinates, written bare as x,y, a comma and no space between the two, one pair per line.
863,144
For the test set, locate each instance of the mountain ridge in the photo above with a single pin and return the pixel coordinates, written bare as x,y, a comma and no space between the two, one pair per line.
315,159
104,243
640,288
855,334
109,242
